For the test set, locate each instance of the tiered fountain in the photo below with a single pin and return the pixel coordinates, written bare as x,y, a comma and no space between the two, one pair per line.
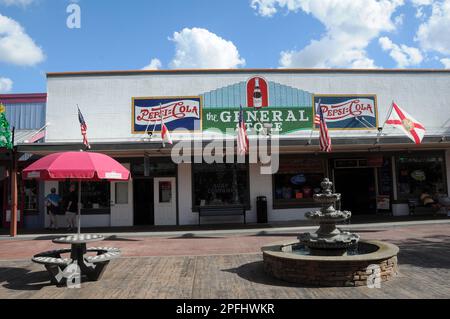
330,257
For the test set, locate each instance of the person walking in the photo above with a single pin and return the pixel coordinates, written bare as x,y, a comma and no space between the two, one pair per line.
53,201
71,201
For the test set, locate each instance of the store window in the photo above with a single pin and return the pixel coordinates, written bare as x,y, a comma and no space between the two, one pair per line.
220,184
418,173
30,196
296,182
95,196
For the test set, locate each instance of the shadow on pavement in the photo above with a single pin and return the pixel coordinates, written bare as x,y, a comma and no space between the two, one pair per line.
193,236
23,279
427,252
254,272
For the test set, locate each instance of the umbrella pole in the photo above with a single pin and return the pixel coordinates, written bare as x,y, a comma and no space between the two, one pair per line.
79,207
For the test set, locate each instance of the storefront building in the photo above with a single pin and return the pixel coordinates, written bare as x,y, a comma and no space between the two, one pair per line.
376,172
26,115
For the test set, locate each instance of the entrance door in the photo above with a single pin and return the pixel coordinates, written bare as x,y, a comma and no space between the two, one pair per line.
122,202
357,187
143,202
165,201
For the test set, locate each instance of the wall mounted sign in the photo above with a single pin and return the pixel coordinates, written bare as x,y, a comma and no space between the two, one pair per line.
286,109
341,112
257,93
177,113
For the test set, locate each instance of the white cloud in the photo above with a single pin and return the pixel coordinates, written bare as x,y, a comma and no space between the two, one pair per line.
402,54
5,85
350,26
446,63
432,34
398,20
22,3
421,2
155,64
16,46
200,48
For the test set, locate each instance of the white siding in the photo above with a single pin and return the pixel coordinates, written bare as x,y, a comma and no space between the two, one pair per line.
106,100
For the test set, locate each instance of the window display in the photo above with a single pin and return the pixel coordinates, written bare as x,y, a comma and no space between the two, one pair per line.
220,184
297,181
95,196
419,173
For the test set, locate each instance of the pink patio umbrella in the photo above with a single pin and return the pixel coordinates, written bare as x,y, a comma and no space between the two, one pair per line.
77,166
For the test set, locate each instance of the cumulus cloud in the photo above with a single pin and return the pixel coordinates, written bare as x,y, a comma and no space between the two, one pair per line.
446,63
432,35
350,26
403,55
16,46
22,3
5,85
200,48
155,64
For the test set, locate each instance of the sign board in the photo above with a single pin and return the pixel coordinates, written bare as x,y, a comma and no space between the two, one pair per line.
383,202
177,113
343,112
283,109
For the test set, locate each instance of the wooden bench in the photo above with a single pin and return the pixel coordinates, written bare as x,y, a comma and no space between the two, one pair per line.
207,211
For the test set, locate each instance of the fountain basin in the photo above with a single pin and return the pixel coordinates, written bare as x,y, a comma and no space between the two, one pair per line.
282,262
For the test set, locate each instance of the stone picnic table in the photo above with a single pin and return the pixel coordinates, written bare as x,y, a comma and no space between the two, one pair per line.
80,264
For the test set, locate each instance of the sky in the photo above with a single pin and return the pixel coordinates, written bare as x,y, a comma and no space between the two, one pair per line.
40,36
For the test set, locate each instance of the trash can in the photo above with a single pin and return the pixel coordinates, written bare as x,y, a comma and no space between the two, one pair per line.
261,209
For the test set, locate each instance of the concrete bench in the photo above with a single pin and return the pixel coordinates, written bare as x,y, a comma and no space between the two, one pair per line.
104,254
207,211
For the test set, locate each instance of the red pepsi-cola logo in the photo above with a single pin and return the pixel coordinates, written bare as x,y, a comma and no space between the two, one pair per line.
257,93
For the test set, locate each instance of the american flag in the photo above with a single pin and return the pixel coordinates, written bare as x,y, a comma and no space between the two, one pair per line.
242,138
83,129
324,138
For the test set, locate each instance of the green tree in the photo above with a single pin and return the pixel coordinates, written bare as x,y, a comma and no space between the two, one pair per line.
5,131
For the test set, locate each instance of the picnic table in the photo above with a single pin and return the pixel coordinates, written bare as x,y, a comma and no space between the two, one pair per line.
82,261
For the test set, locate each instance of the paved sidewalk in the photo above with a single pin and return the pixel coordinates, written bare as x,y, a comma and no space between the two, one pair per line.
226,267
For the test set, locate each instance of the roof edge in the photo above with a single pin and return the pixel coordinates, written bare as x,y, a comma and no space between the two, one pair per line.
23,98
228,71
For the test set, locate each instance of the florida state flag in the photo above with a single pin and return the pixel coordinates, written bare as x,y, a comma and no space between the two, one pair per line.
401,119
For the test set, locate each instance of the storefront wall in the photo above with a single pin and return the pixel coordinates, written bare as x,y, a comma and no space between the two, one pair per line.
106,103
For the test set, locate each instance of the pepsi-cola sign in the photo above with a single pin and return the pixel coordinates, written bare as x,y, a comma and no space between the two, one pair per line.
180,113
349,112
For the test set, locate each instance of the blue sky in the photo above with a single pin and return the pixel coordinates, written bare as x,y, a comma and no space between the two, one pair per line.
129,34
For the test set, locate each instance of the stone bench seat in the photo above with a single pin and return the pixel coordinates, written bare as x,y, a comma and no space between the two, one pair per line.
51,261
104,254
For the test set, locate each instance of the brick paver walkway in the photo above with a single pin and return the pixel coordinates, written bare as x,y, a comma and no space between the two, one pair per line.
225,267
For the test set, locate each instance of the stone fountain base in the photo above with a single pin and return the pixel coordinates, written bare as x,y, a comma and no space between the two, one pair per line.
331,271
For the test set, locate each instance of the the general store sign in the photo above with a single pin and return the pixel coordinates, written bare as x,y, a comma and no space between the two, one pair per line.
182,113
349,112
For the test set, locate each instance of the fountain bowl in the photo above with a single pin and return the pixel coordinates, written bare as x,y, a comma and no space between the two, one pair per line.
377,260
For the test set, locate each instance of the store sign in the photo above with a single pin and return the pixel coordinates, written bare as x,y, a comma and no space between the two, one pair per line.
182,113
349,112
280,119
282,109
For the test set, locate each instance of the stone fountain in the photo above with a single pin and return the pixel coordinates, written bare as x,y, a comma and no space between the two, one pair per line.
328,240
330,256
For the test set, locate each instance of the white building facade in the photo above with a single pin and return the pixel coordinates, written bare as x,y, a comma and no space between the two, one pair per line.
376,172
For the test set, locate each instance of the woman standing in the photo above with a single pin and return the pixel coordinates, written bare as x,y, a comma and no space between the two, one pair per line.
71,201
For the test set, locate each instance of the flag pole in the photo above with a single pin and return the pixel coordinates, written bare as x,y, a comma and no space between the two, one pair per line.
380,130
14,197
160,115
314,123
